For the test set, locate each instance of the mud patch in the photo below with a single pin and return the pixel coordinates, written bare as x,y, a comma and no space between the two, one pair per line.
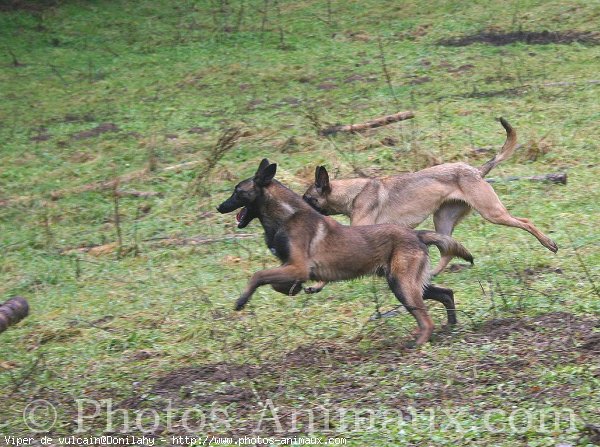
462,69
254,104
289,101
354,78
565,324
41,135
220,372
321,355
380,373
96,131
592,343
420,80
24,5
515,91
327,86
82,118
198,130
529,37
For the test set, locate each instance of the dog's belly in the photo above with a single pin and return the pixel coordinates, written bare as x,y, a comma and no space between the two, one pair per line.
340,271
405,218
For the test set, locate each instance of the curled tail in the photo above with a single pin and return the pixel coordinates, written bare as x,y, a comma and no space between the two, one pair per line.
507,150
447,245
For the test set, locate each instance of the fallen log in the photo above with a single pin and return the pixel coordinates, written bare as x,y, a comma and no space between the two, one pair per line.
13,311
558,178
372,124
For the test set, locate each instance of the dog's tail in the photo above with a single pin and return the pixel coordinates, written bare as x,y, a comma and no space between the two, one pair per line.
507,150
447,245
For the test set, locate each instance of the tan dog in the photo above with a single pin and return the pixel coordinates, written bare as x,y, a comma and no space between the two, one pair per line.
315,247
448,191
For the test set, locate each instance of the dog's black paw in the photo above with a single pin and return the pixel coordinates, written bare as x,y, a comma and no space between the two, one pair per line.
311,290
240,303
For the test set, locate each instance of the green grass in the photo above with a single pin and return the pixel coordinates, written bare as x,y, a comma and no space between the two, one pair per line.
158,69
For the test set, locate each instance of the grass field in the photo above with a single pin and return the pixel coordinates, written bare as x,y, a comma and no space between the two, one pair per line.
131,297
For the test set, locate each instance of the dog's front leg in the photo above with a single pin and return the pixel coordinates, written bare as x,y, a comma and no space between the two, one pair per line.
283,274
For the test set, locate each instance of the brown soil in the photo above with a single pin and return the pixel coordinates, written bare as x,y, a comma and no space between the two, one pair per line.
98,130
198,130
25,5
528,37
348,374
327,86
515,91
420,80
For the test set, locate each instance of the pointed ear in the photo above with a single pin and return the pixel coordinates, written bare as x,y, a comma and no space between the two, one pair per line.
317,170
263,164
322,179
265,176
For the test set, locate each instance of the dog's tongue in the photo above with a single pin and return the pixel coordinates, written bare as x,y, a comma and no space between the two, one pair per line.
241,214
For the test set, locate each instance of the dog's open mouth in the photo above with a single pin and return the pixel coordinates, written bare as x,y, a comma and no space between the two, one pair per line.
241,215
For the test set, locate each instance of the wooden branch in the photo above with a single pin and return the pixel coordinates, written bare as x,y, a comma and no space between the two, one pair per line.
13,311
165,241
372,124
134,193
558,178
186,165
567,84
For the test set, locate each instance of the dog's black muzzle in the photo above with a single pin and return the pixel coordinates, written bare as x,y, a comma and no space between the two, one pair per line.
313,203
229,205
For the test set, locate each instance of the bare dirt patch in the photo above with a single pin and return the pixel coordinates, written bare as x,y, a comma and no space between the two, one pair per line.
420,80
343,373
96,131
327,86
529,37
198,130
42,135
25,5
562,324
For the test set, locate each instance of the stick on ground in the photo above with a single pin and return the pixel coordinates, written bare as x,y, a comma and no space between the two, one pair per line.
558,178
372,124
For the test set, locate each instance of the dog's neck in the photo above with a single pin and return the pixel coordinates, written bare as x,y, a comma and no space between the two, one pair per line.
342,195
277,205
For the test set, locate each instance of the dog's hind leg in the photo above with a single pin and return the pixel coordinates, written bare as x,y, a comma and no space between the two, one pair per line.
444,296
444,220
484,199
405,280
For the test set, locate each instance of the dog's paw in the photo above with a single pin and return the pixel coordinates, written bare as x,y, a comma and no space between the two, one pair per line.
311,290
240,304
552,246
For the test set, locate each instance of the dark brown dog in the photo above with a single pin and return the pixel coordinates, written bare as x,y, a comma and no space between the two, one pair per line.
314,247
448,191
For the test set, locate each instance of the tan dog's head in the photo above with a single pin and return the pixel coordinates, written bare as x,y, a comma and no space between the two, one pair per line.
247,192
317,193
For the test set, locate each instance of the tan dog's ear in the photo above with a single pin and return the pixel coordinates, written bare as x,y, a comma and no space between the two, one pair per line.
322,180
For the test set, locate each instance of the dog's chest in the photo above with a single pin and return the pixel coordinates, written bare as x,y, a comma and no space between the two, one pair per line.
279,245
